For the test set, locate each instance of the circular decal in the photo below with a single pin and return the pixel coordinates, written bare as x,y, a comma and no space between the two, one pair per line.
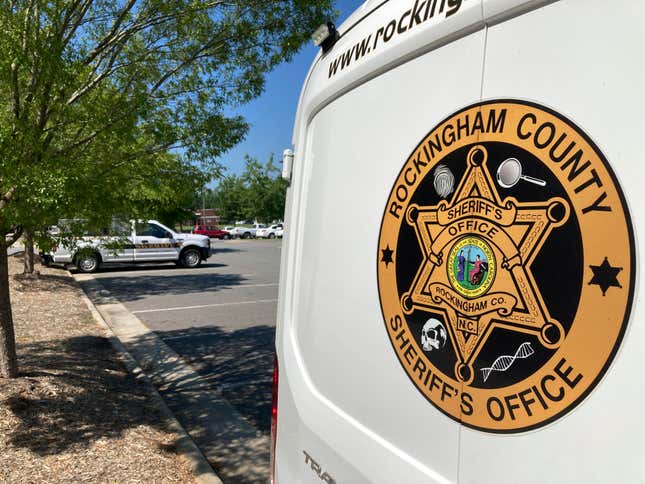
506,266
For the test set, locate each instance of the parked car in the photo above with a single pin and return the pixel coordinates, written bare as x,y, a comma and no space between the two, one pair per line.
137,242
233,231
211,231
269,232
246,232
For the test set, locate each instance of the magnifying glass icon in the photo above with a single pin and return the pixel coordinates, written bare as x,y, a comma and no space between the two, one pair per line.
509,174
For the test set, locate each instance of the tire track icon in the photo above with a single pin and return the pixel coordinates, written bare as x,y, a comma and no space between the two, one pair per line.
504,362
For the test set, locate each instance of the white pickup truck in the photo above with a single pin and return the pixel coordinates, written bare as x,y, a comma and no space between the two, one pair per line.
246,232
276,230
136,242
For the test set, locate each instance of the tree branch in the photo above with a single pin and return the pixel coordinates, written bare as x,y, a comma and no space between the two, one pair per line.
112,33
68,18
15,93
150,150
140,24
184,63
94,82
111,46
88,138
25,29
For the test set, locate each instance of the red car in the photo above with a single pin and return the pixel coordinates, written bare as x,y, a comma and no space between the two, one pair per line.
212,232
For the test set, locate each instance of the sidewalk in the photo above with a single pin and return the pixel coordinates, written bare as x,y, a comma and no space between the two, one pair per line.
235,449
76,414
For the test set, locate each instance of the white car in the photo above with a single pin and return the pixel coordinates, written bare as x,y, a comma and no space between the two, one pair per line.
481,319
270,232
136,242
246,232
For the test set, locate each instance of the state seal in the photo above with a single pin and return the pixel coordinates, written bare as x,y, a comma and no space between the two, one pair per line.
471,266
506,266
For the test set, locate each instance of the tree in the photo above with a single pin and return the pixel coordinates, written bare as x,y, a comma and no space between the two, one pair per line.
266,190
98,91
258,193
163,191
230,198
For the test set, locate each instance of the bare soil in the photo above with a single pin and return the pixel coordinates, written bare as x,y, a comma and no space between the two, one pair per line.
75,414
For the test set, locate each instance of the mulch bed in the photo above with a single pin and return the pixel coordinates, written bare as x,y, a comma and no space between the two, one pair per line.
75,414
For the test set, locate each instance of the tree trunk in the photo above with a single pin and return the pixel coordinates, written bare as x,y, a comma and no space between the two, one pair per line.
8,359
29,253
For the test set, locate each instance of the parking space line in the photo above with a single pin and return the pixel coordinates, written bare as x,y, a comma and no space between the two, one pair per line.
111,271
258,301
273,284
208,333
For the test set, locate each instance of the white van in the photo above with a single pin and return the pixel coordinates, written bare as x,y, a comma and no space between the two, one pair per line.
458,286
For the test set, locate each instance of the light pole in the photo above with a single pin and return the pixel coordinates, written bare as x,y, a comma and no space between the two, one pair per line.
203,204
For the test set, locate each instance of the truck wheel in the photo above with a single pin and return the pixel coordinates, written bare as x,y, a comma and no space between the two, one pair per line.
246,235
87,263
190,258
272,235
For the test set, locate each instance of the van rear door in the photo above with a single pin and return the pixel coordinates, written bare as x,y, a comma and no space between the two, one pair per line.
581,62
347,411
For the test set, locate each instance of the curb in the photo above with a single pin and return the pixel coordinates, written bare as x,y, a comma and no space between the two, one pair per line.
186,447
230,443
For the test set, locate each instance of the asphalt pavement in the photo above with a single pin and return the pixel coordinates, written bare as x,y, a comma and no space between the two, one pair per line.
219,318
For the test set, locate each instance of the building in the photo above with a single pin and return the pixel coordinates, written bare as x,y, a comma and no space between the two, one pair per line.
206,217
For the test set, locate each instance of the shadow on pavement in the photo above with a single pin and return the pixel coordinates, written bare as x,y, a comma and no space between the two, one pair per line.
108,267
223,250
222,397
238,363
134,288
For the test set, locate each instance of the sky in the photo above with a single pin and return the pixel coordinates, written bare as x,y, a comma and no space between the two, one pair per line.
271,116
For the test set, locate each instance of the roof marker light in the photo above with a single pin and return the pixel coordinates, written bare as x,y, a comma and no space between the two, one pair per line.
287,164
325,36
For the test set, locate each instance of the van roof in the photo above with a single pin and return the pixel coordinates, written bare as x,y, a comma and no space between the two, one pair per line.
382,34
375,38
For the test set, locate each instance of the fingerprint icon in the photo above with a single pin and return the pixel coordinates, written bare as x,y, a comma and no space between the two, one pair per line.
444,181
504,362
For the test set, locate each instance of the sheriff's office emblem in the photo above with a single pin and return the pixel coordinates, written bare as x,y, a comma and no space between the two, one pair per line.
506,266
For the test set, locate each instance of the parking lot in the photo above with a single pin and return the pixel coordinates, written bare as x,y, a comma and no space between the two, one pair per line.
220,317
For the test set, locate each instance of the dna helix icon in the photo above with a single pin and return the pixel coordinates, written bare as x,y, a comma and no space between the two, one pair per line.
504,362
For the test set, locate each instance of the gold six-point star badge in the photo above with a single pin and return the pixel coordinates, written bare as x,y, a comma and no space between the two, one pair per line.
477,224
505,260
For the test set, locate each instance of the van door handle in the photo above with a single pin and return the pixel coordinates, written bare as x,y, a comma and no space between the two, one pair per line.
144,241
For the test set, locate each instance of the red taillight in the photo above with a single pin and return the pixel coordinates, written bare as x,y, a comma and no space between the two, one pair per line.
274,416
